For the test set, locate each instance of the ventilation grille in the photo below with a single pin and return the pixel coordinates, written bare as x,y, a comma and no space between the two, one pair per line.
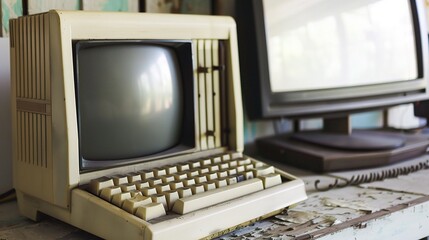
32,56
209,94
30,43
32,145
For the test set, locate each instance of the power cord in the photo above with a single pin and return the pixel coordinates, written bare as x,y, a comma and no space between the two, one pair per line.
7,196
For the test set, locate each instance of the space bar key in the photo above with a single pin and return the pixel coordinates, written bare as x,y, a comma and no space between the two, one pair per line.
218,195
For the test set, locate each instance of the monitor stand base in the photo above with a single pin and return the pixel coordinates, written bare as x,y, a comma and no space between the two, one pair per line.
285,148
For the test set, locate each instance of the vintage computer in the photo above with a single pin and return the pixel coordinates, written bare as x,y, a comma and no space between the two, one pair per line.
328,59
130,126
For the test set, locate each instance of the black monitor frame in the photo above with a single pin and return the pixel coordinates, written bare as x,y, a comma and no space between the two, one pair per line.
261,103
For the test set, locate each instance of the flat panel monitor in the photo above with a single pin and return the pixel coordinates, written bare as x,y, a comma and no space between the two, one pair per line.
329,59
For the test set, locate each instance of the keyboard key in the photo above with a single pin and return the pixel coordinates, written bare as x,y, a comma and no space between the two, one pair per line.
216,160
188,182
154,181
180,175
131,205
184,192
96,185
209,185
182,167
231,171
226,157
171,196
119,179
258,164
220,183
160,198
170,169
167,178
211,175
162,187
243,161
147,191
133,177
240,177
231,180
249,167
213,168
205,162
119,198
158,172
235,155
176,184
195,164
203,170
197,188
146,174
192,173
232,163
141,184
200,179
215,196
135,192
240,169
127,187
107,193
248,175
150,211
271,180
223,166
261,171
222,174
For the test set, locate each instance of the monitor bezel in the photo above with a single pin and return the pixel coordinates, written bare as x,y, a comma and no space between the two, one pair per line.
187,143
262,103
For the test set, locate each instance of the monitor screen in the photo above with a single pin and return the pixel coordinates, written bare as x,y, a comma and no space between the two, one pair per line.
345,44
131,100
320,58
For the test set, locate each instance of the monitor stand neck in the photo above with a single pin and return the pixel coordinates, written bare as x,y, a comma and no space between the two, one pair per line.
337,133
339,125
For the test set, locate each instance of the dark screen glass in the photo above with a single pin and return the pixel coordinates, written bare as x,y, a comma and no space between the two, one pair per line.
130,100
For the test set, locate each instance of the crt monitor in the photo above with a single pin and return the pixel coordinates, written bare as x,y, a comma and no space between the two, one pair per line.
134,100
99,94
329,59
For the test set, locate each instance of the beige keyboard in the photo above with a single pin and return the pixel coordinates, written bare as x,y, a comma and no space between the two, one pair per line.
185,187
163,194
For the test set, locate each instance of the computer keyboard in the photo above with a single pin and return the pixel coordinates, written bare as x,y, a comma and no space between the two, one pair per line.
208,190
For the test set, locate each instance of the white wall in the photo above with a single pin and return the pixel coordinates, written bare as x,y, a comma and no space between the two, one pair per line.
5,121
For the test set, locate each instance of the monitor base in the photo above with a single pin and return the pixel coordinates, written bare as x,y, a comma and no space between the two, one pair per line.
318,158
356,141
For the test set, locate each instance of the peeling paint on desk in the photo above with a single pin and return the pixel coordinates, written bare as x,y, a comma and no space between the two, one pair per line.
323,211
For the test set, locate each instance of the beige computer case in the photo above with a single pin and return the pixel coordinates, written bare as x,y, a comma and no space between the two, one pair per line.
43,104
45,134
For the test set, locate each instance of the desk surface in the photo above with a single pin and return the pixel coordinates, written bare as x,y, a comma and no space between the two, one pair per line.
352,212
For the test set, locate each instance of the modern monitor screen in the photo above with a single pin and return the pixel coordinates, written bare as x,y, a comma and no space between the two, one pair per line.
304,58
131,99
344,43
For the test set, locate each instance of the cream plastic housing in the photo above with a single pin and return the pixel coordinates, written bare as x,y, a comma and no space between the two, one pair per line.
45,135
45,139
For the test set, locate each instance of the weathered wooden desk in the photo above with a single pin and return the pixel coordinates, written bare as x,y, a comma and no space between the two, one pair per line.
378,211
